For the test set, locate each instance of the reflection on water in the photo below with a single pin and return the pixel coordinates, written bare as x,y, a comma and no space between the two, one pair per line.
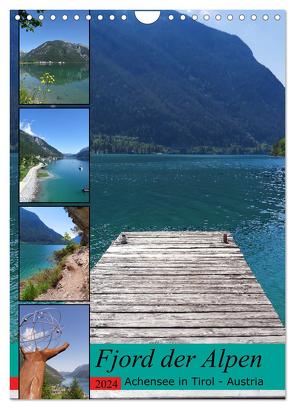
63,74
71,81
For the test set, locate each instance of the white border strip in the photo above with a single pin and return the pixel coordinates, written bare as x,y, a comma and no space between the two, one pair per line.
135,394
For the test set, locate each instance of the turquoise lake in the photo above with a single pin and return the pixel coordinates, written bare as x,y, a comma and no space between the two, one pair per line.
71,82
242,194
36,257
67,182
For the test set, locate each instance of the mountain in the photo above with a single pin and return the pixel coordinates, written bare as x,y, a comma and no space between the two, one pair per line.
57,51
83,154
33,230
77,239
183,85
53,377
33,145
81,371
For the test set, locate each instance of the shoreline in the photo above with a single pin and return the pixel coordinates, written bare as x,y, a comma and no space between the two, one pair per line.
29,185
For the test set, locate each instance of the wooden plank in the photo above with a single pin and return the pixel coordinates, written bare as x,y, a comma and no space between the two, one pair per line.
180,316
187,299
185,332
186,323
98,308
186,287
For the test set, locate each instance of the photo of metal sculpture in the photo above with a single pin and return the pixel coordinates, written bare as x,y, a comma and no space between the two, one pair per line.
40,333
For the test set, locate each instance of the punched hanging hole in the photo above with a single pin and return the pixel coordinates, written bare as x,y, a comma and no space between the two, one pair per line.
41,17
194,17
76,17
88,17
253,17
17,17
265,17
218,17
112,17
170,17
29,17
230,17
52,17
242,17
147,17
64,17
99,17
206,17
277,17
124,17
182,17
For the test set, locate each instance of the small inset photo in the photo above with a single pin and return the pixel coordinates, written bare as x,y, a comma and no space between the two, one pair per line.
54,253
54,57
54,155
54,351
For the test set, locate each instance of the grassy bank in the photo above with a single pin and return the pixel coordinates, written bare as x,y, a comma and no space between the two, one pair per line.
43,174
48,278
26,164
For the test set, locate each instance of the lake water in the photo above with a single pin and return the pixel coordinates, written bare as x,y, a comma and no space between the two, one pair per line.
84,383
67,182
71,82
242,194
36,257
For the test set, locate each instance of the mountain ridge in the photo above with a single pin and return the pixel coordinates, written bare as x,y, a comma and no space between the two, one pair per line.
33,230
57,51
34,145
188,86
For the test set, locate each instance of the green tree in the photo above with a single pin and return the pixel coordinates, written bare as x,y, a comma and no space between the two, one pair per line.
74,391
279,148
67,237
46,390
29,25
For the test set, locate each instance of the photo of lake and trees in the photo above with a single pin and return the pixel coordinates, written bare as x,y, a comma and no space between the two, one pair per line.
54,58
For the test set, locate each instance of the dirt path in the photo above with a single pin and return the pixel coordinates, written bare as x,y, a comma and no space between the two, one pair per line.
74,284
28,186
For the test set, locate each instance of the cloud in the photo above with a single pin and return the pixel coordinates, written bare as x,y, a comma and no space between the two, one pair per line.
26,126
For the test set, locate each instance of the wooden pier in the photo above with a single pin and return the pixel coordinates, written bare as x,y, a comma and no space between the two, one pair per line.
179,287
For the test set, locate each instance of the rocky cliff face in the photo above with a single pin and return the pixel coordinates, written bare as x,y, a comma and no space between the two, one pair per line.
80,216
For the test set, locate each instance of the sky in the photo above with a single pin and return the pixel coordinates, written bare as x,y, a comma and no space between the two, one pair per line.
54,217
75,331
265,38
58,29
65,129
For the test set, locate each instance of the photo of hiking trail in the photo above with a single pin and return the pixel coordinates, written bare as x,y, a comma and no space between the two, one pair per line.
54,253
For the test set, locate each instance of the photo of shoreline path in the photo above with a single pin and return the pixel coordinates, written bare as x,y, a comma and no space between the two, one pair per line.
54,155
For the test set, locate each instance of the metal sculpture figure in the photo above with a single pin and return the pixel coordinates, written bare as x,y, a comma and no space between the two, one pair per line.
38,330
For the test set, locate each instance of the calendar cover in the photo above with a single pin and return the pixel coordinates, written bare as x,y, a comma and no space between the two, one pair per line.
147,204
